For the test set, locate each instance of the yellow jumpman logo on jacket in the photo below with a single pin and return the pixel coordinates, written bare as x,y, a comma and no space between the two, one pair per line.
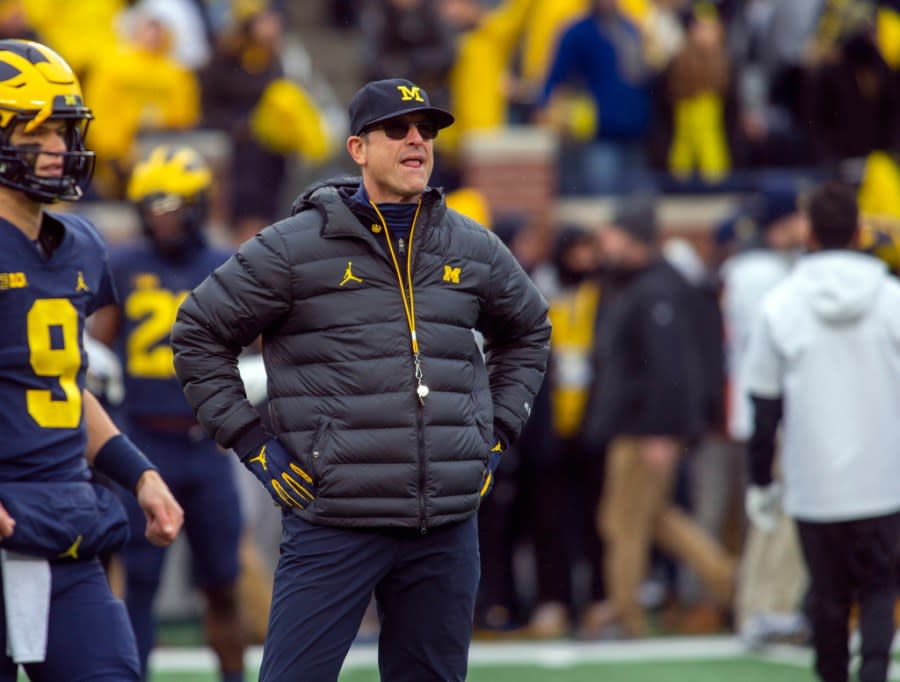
80,284
349,276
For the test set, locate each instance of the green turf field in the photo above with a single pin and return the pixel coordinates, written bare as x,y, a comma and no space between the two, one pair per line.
713,659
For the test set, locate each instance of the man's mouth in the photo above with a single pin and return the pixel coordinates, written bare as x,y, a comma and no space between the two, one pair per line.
51,171
413,162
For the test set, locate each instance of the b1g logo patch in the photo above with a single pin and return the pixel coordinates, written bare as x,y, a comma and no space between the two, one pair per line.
13,280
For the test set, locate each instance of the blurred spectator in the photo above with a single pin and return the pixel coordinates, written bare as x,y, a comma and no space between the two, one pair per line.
646,402
824,362
772,577
139,88
887,30
769,41
14,22
486,42
568,475
855,102
661,25
504,515
244,66
408,39
879,191
603,52
544,23
503,524
716,466
694,102
82,32
189,26
771,244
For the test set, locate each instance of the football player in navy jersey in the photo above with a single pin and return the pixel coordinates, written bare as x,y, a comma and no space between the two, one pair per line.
61,619
152,276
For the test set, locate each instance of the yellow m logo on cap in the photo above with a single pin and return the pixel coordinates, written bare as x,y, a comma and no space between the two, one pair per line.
70,100
407,94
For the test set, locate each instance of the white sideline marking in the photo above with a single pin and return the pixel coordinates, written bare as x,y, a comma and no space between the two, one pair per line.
539,654
543,654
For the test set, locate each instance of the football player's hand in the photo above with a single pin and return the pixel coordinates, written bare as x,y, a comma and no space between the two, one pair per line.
288,484
7,523
494,456
763,505
164,515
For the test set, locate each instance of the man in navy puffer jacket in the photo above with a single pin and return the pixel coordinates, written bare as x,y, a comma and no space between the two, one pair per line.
387,419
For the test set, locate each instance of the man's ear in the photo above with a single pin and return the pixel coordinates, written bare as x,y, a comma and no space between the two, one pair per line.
356,147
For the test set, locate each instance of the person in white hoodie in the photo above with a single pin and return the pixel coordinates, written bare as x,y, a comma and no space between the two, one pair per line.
825,359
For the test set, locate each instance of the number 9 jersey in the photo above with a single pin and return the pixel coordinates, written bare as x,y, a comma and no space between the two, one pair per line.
44,300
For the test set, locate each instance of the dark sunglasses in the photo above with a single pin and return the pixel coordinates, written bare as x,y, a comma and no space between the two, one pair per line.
398,130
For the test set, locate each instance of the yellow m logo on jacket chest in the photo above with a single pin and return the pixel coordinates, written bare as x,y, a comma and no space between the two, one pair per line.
452,274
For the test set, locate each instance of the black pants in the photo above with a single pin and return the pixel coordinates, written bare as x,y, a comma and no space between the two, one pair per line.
564,524
852,561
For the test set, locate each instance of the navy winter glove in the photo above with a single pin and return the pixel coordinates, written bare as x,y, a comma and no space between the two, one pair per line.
288,484
487,482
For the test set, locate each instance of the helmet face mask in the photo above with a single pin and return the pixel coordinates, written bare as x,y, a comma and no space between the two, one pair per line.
37,87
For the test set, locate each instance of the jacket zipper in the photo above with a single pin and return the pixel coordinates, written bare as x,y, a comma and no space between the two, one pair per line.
420,414
420,423
420,427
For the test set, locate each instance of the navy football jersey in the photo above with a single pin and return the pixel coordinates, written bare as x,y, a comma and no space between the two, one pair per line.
151,289
43,303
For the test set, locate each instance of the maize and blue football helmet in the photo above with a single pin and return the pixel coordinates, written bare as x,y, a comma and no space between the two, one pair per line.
37,85
171,185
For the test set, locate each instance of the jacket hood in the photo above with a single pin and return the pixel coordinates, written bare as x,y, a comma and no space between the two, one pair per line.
343,183
842,285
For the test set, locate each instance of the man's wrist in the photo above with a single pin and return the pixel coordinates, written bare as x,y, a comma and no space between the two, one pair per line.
123,462
146,476
249,442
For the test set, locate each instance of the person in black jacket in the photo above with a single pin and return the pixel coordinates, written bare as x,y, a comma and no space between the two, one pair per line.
647,404
387,422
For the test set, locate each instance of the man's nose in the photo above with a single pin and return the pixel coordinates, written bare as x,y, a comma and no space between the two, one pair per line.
413,135
56,142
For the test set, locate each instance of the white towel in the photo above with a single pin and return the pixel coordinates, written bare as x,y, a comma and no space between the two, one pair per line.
26,593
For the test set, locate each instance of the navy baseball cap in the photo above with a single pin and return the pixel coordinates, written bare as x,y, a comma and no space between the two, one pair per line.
380,100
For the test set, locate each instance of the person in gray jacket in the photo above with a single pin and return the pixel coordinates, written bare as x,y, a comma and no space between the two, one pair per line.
387,421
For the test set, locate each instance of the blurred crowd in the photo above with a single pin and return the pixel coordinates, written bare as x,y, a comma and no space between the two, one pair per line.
676,95
590,531
671,96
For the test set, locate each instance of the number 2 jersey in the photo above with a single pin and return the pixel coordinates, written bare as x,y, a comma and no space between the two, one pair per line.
151,288
44,300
